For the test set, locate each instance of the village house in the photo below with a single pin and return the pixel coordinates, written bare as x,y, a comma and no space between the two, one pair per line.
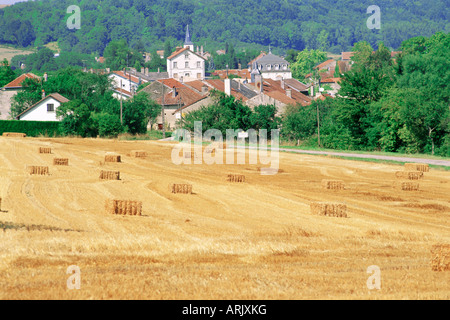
271,66
185,64
45,109
10,90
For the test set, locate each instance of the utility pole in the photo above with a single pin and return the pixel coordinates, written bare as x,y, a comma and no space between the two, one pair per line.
121,121
163,111
318,125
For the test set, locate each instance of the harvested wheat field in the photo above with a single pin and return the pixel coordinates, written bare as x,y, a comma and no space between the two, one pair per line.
252,240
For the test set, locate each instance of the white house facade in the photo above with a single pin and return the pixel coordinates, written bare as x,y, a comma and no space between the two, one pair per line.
44,110
124,83
273,67
186,65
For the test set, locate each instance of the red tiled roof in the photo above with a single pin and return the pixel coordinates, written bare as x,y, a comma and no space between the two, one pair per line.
277,95
101,60
324,64
173,55
184,96
196,84
244,73
127,76
296,85
330,80
171,83
220,86
347,55
128,93
275,85
17,83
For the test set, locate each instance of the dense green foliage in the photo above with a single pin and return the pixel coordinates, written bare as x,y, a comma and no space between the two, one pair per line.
30,128
290,24
92,109
228,113
6,73
385,104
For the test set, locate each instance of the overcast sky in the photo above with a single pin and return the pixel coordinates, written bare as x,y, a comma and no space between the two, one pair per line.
10,1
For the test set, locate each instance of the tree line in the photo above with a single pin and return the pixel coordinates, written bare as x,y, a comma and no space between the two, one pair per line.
298,24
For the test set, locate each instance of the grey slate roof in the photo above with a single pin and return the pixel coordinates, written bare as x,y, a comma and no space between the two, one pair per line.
271,59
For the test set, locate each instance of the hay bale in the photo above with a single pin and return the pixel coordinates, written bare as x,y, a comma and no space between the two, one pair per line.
411,175
333,184
45,150
423,167
440,257
407,186
60,161
112,158
109,175
124,207
181,188
14,134
38,170
138,154
236,178
329,209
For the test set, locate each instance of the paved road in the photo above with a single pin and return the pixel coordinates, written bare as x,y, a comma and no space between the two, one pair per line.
359,155
372,156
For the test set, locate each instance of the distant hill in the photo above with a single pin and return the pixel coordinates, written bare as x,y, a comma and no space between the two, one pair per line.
331,25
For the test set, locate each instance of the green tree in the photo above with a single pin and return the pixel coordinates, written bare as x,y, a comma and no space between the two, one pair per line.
6,73
138,112
306,61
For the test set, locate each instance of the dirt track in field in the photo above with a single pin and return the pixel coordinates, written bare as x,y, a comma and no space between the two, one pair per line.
252,240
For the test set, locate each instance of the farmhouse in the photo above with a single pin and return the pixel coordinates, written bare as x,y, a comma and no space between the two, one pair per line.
44,110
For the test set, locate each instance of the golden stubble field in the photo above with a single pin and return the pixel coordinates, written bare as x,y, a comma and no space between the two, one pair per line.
252,240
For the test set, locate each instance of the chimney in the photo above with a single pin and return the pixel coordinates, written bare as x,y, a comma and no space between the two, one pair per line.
282,84
158,70
142,70
146,71
228,87
174,92
45,77
239,66
289,92
43,94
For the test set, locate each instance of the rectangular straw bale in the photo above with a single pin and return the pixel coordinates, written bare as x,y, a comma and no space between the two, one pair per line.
138,154
124,207
39,170
411,175
14,134
440,257
45,150
112,158
60,161
110,175
236,178
333,184
423,167
407,186
181,188
329,209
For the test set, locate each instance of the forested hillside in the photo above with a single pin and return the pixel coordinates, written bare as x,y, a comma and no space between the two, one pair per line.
329,25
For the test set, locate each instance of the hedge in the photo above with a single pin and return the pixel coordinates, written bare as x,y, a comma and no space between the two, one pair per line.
31,128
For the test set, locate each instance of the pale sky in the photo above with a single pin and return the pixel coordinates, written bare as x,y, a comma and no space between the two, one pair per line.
10,1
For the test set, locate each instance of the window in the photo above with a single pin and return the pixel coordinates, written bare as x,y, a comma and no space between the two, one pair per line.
277,67
199,75
284,67
268,66
50,107
186,56
187,75
174,65
186,64
198,64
